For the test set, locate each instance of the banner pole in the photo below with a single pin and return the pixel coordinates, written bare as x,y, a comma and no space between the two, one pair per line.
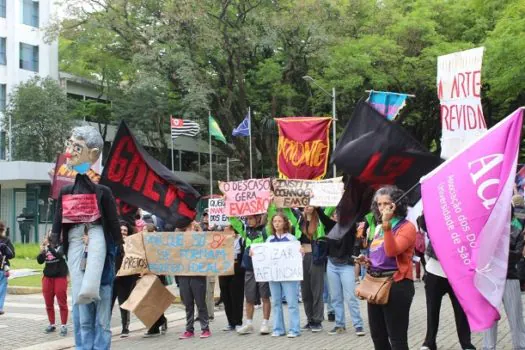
211,157
172,159
407,192
250,130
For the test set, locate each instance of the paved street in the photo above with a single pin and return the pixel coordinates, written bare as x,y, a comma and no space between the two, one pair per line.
25,319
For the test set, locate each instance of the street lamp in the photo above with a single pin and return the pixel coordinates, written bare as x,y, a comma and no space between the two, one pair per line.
228,161
334,119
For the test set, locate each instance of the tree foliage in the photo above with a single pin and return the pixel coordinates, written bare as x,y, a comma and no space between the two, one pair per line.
225,56
38,111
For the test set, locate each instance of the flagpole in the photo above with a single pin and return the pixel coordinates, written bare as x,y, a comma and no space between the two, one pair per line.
250,130
211,170
172,159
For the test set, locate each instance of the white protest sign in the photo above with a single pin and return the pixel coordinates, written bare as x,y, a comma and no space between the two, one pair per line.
326,194
278,262
216,216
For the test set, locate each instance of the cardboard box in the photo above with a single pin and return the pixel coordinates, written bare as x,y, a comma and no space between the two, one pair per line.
149,299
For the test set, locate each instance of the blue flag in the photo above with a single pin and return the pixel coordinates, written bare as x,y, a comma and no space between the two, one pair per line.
243,129
387,103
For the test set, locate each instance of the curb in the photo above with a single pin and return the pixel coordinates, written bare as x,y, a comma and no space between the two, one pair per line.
23,290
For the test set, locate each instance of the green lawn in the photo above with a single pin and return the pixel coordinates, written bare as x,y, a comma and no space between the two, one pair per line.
27,250
22,263
29,281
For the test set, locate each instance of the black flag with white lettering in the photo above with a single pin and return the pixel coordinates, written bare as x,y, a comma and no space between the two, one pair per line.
379,152
138,179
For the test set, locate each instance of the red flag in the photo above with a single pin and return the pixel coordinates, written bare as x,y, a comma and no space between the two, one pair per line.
303,148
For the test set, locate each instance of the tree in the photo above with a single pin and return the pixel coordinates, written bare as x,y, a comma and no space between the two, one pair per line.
38,111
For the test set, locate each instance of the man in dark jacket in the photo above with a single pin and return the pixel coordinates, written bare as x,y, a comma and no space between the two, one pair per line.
86,224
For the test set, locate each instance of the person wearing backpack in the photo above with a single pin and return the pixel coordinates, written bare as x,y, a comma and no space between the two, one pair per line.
7,252
54,283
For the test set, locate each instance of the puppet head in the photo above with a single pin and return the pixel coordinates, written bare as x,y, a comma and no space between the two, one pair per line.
83,148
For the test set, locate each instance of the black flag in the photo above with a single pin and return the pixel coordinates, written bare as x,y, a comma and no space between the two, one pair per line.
379,152
142,181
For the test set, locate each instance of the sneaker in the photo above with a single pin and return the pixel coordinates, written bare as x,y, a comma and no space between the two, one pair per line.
246,329
63,330
424,347
331,317
359,331
316,327
306,327
186,335
265,329
205,334
50,329
275,334
228,328
292,335
150,334
337,330
164,327
124,333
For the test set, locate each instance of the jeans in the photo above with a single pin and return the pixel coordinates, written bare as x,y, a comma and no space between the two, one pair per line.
341,281
290,290
91,320
3,289
389,323
327,300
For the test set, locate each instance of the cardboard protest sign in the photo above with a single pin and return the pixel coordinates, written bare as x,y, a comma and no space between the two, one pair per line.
190,253
326,194
148,300
216,216
246,197
134,261
459,91
281,261
296,193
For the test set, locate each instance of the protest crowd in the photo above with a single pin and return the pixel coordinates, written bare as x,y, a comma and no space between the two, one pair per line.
296,244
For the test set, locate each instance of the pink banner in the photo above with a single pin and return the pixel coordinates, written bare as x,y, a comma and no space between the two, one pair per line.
467,203
246,197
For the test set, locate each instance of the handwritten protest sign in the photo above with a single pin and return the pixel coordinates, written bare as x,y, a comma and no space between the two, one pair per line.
277,261
189,253
247,197
296,193
134,261
459,91
216,216
327,194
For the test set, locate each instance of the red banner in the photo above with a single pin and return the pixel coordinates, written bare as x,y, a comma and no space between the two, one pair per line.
302,152
63,176
79,208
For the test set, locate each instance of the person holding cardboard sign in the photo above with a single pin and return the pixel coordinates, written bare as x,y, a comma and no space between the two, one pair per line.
281,233
86,207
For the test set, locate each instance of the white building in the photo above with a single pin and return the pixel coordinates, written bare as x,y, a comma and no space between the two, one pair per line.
23,50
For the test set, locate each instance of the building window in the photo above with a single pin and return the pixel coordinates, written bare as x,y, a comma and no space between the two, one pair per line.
29,57
30,9
2,8
3,144
3,57
3,97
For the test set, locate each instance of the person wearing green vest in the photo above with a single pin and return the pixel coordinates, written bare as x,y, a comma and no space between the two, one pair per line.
253,232
311,233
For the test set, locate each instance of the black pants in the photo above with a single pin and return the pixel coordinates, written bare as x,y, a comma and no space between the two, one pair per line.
122,287
162,319
435,288
193,291
232,294
389,323
312,289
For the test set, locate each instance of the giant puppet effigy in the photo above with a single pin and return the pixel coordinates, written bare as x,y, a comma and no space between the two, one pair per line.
86,226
